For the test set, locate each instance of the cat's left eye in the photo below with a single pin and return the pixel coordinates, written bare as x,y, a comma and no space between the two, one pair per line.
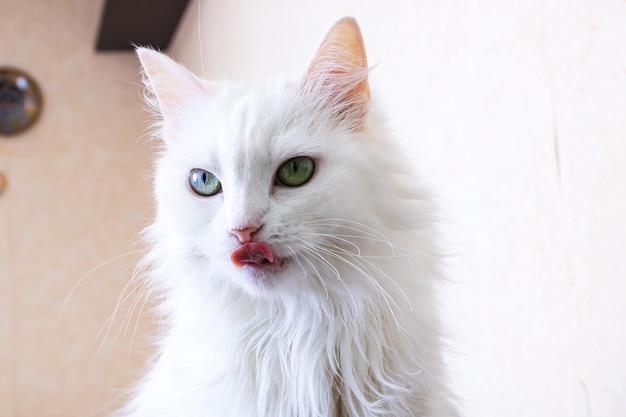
296,171
204,183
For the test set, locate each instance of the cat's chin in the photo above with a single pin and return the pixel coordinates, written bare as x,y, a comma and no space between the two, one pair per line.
262,277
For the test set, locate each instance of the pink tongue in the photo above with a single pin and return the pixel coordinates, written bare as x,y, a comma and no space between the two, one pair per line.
251,253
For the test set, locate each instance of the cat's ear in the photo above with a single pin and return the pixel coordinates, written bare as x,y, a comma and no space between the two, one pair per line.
171,87
338,73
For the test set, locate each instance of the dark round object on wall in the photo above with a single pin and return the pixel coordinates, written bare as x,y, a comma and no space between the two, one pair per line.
20,101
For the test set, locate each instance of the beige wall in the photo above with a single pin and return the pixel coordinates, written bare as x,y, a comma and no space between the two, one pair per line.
516,113
76,199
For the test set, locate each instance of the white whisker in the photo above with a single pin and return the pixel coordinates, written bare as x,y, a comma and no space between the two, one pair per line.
316,274
367,230
108,324
312,249
315,252
91,271
336,237
359,258
145,297
200,37
367,274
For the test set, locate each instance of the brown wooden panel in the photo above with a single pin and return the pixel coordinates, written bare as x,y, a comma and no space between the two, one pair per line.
144,22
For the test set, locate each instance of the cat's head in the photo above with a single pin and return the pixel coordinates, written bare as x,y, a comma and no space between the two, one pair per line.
273,187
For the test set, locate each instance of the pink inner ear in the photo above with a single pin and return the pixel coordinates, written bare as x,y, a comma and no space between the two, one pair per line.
339,70
254,253
169,82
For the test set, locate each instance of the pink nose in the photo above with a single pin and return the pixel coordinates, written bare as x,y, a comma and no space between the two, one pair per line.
244,235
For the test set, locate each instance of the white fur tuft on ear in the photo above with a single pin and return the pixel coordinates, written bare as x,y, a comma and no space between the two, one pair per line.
337,77
171,88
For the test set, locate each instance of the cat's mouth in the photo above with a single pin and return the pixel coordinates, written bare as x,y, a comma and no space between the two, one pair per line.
257,256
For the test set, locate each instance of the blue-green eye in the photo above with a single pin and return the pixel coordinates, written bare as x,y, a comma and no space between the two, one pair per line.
296,171
204,183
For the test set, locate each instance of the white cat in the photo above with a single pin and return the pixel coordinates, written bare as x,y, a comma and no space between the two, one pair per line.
293,250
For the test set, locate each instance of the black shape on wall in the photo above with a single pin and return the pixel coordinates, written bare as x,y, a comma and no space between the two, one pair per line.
143,22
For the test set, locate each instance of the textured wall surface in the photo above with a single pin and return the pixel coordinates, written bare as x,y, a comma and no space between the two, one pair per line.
76,199
516,114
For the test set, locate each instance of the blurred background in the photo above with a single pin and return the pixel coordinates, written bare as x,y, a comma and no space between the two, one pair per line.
514,112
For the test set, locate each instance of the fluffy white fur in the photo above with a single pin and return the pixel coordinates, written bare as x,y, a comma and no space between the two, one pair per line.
349,327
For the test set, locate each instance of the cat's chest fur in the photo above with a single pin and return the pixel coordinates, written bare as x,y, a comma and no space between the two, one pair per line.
283,360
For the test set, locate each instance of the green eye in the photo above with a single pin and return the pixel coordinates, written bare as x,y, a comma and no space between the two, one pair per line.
204,183
296,171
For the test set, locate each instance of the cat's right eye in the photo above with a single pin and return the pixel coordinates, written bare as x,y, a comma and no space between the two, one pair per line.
204,183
